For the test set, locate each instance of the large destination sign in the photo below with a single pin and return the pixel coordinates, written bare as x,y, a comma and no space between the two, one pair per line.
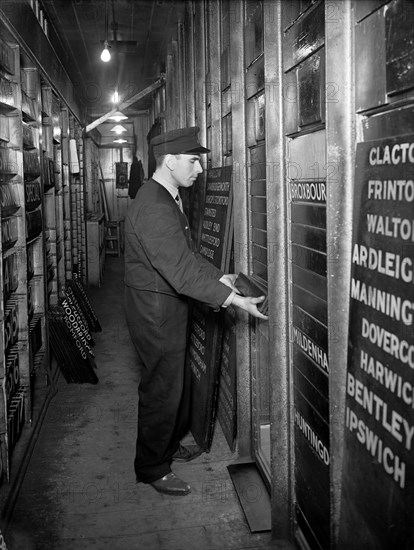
206,325
378,473
215,221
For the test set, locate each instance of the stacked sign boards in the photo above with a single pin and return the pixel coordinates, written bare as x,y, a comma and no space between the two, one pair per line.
206,331
378,480
310,367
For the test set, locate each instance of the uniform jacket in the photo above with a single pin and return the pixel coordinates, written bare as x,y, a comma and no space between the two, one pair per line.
159,253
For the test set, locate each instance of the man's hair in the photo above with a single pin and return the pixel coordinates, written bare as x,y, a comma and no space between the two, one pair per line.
160,159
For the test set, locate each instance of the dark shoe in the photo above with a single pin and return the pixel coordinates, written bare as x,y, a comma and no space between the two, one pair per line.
171,485
185,454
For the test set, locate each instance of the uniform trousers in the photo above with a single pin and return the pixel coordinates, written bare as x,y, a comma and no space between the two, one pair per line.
158,327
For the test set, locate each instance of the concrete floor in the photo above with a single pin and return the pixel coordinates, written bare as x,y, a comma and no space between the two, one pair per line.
79,491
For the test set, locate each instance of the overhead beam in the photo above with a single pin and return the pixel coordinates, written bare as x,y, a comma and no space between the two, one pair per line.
132,112
126,103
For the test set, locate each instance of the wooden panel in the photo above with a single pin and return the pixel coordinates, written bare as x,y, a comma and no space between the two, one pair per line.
319,402
226,101
225,68
253,30
311,88
259,237
305,529
363,8
309,259
309,281
258,204
304,37
314,374
6,57
306,214
260,117
260,270
290,101
311,237
310,326
317,424
24,21
399,34
250,123
312,492
258,188
259,253
310,347
370,62
290,13
309,415
258,157
307,157
255,78
310,303
305,4
227,392
258,221
258,172
395,123
227,135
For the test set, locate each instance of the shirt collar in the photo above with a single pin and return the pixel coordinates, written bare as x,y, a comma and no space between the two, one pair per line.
172,190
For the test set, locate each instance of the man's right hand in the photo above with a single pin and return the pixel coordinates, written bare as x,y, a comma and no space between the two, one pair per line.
249,304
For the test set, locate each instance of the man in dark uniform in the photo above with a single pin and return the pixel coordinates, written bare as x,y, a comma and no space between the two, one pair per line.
162,271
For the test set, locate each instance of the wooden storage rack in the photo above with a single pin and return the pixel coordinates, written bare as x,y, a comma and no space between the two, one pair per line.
43,244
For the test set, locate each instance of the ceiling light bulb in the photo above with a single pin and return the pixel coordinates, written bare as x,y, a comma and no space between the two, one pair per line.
105,55
115,97
120,140
118,116
118,129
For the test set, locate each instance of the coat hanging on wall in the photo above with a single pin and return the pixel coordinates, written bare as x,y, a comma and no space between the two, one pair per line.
136,177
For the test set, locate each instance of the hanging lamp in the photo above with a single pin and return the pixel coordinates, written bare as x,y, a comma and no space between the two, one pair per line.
106,55
118,129
118,116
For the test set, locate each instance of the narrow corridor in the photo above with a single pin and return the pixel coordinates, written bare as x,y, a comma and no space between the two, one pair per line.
79,490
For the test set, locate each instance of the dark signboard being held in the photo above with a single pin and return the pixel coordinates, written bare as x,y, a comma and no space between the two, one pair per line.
205,337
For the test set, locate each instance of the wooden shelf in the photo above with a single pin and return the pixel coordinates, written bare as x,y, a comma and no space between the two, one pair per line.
39,230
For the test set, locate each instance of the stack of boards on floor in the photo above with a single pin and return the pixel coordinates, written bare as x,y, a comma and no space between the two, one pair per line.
70,324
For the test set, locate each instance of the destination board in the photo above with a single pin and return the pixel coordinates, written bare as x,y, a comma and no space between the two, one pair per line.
310,368
215,222
378,470
206,327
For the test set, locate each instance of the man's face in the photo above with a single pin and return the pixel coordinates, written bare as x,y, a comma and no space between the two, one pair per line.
186,169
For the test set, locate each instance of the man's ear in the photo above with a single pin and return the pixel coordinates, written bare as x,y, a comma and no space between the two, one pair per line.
170,161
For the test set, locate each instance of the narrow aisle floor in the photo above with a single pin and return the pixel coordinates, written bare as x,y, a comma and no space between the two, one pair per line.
79,491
